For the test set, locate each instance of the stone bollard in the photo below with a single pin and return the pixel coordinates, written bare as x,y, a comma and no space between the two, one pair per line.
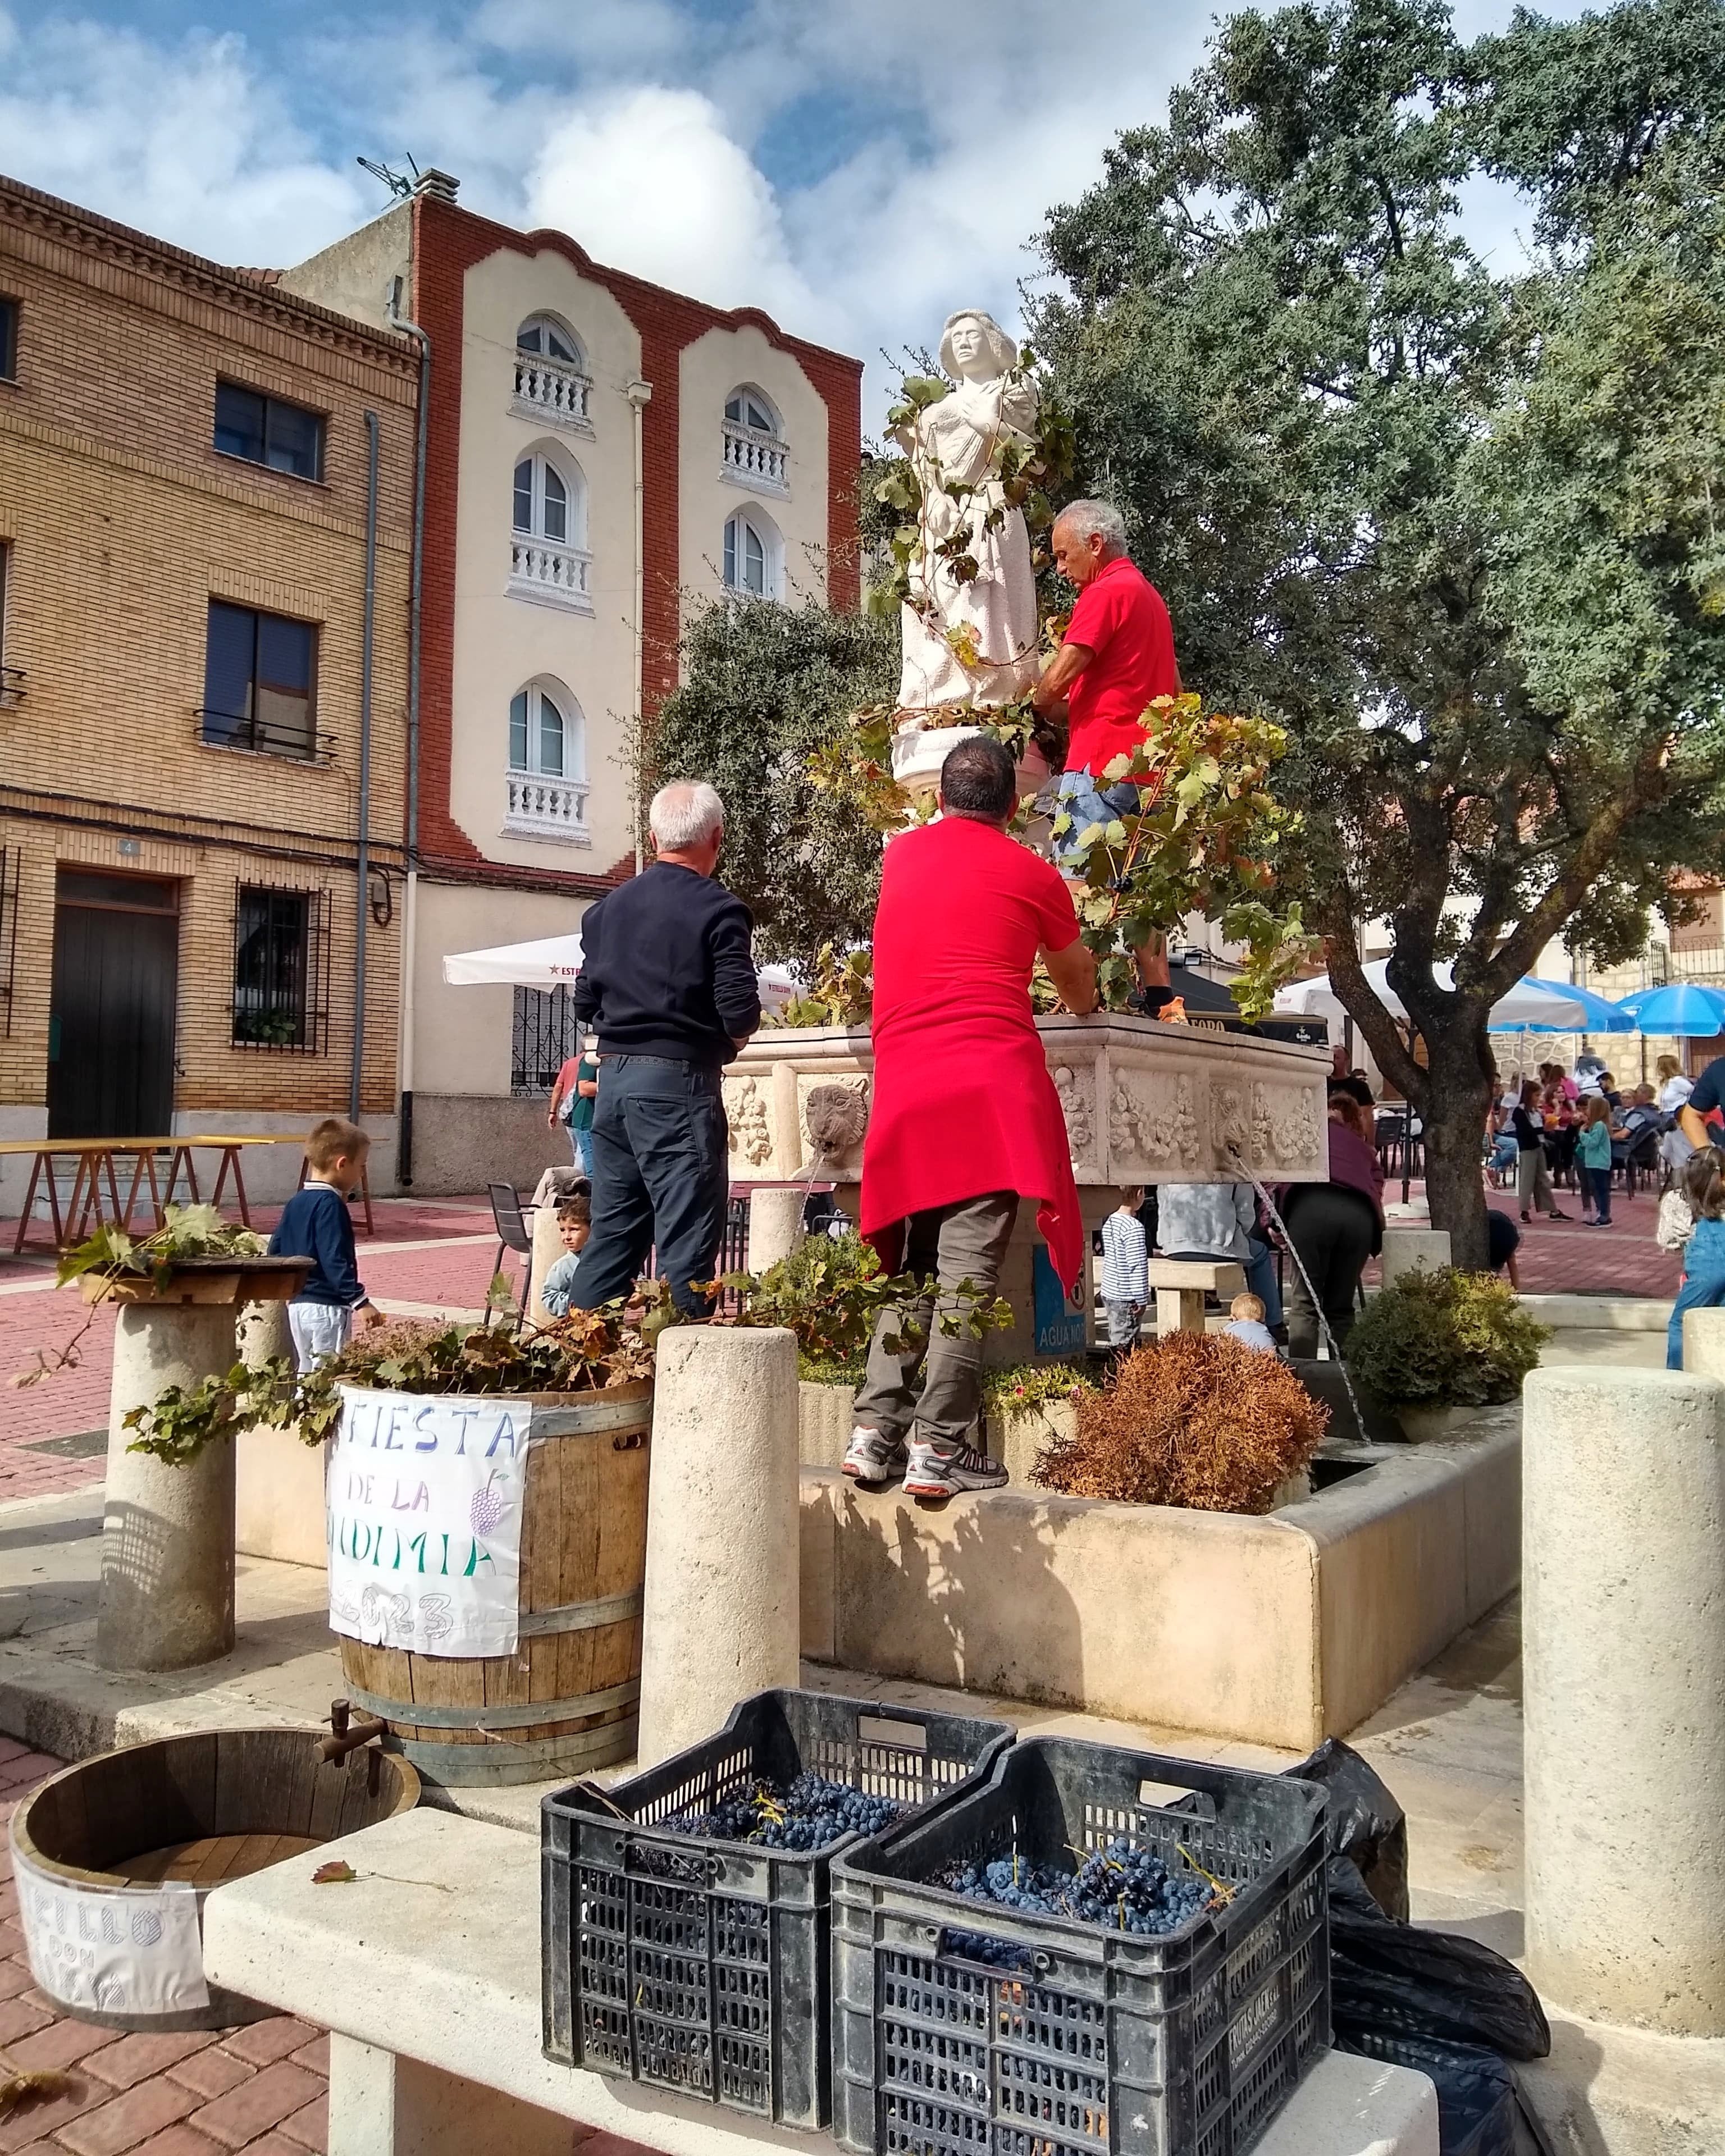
1704,1343
775,1226
1623,1582
167,1532
720,1601
278,1509
1406,1250
548,1249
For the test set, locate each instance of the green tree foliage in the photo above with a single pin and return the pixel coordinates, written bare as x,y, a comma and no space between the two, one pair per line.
1450,522
765,687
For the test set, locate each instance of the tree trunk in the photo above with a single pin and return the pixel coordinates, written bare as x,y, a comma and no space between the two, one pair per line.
1454,1114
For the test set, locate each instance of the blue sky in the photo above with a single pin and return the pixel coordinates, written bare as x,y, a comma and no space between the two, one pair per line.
859,168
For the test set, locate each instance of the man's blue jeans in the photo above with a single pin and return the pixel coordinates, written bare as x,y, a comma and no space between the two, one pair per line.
660,1176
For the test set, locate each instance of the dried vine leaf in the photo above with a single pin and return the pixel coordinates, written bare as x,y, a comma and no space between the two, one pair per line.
20,2087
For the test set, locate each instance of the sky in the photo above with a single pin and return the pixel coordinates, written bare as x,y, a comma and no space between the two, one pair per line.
860,168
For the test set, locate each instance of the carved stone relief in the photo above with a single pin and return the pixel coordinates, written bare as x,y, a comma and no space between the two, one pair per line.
819,1126
1074,1107
746,1111
1152,1119
1285,1132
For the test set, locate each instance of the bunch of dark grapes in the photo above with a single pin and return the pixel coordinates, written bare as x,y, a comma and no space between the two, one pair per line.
811,1815
1120,1888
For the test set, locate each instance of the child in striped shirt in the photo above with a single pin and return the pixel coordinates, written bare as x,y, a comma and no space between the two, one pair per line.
1126,1280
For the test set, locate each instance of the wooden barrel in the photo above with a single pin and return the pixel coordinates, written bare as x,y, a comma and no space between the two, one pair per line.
568,1699
113,1859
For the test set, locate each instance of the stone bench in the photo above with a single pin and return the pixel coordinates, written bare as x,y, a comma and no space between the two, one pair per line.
426,1972
1181,1285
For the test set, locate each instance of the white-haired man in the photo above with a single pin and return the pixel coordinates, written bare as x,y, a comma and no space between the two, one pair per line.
1117,656
668,981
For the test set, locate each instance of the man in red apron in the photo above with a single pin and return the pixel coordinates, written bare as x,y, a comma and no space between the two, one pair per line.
965,1119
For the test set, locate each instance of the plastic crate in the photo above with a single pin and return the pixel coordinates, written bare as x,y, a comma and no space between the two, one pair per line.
704,1966
1094,2043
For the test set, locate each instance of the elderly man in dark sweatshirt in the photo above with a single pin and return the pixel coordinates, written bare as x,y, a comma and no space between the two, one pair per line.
668,981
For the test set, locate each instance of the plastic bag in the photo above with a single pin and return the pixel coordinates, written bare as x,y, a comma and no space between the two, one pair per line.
1399,1980
1480,2110
1366,1823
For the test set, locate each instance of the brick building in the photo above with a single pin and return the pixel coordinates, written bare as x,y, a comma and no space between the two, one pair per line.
184,491
601,454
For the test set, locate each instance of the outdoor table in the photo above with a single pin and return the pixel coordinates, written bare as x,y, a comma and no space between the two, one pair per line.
425,1968
97,1178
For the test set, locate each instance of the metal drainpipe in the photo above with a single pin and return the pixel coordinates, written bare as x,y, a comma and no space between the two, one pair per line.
640,394
410,910
362,858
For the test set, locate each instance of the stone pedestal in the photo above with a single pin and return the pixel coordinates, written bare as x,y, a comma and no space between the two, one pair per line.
775,1225
1624,1582
166,1597
721,1616
1704,1343
1406,1249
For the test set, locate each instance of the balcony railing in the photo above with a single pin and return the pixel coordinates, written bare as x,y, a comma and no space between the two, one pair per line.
11,686
754,459
544,389
547,809
263,737
558,576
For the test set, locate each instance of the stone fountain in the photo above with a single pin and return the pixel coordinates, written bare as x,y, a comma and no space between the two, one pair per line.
1145,1102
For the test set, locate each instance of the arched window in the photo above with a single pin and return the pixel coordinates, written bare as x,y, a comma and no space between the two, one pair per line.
541,501
548,339
746,407
750,566
545,734
548,556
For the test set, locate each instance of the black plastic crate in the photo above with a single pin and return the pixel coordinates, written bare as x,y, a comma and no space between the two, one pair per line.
704,1966
1093,2043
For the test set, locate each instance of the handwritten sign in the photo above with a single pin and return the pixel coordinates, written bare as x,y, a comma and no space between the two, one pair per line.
423,1500
112,1950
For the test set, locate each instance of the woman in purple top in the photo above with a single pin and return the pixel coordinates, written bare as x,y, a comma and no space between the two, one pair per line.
1333,1228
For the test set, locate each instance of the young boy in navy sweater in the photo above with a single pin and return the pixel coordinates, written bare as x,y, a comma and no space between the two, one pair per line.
315,1224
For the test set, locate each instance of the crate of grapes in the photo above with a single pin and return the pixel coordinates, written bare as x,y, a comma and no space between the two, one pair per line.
1091,1952
685,1930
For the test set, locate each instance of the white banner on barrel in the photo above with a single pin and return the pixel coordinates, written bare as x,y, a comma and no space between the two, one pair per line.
112,1950
424,1521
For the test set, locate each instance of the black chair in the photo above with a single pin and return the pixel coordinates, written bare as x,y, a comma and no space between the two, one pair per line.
513,1233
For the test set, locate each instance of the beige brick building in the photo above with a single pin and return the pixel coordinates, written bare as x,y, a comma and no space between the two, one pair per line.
185,501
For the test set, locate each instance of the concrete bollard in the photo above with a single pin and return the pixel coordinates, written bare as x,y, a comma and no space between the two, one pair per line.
1623,1582
166,1596
548,1249
1704,1343
775,1226
721,1601
1406,1250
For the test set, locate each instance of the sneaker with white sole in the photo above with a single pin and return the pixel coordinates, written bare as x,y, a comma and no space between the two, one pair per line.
951,1471
872,1458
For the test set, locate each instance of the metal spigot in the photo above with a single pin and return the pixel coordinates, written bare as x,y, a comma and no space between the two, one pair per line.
348,1730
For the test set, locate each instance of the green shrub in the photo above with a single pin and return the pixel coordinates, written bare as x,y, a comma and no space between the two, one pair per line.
1444,1338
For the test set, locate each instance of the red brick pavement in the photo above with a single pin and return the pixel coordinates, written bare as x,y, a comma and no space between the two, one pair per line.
263,2088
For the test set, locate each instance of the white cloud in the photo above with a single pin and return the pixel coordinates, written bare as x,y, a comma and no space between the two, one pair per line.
183,143
648,180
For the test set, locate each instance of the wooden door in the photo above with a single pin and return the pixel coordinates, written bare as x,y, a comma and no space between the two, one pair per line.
110,1052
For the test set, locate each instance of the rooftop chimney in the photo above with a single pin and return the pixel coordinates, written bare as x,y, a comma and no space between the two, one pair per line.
442,185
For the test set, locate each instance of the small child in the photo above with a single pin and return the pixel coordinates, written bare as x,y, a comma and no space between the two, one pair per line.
1245,1324
1703,1285
315,1224
574,1225
1126,1279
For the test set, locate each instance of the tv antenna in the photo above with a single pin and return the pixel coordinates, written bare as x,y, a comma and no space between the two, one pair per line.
398,184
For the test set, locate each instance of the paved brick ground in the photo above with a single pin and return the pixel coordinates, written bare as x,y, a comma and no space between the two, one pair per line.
263,2088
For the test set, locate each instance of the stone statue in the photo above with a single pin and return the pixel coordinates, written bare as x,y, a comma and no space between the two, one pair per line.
969,641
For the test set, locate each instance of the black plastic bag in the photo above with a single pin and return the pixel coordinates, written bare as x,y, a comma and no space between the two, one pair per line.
1480,2110
1391,1980
1366,1823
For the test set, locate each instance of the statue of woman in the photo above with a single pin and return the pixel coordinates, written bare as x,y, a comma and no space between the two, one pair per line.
970,640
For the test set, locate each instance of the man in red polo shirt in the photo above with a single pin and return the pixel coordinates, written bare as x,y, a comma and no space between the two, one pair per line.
1117,656
965,1119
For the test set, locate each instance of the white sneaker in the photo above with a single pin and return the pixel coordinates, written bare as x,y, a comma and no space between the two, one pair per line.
951,1471
873,1460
